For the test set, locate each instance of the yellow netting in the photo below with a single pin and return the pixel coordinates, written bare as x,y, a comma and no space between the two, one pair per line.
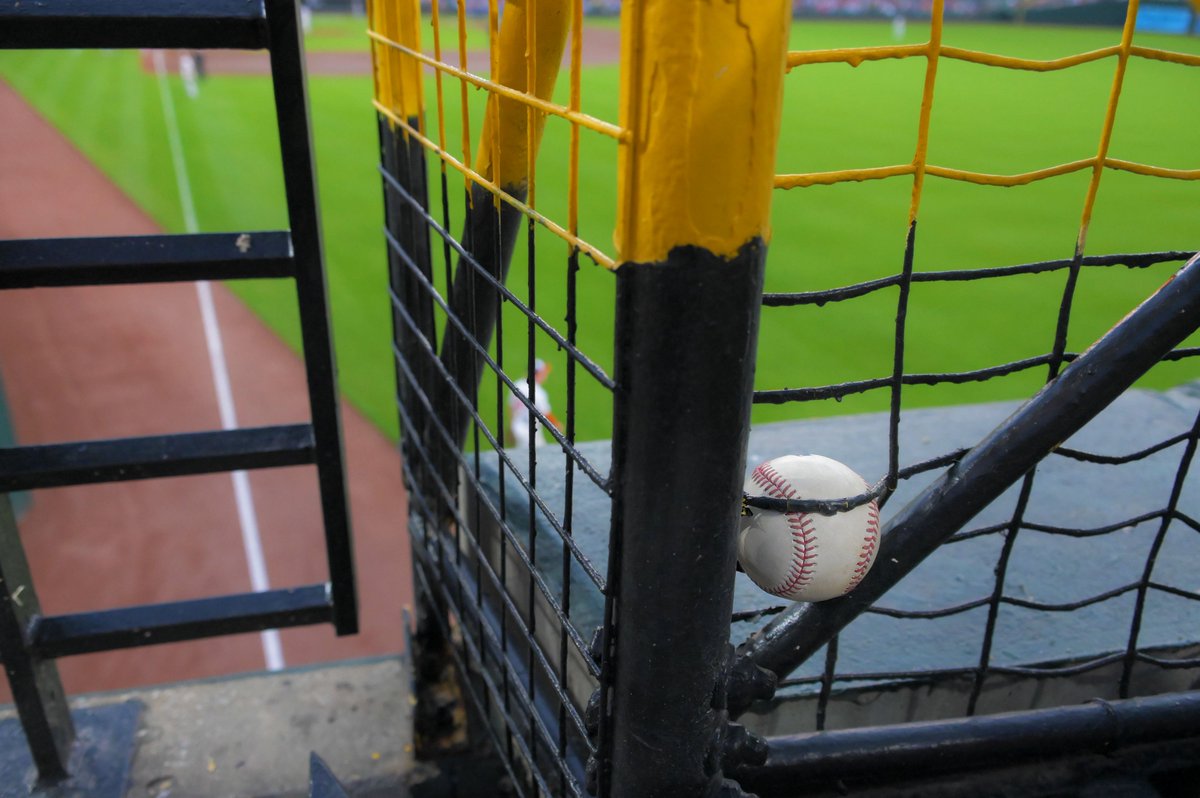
389,47
934,50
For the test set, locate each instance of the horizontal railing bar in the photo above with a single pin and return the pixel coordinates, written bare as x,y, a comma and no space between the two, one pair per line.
86,462
52,262
121,24
149,624
939,746
1045,670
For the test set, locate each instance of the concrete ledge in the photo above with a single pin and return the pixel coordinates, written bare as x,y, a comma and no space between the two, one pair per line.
251,736
1044,568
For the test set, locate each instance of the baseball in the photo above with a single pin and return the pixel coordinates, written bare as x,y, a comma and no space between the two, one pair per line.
807,556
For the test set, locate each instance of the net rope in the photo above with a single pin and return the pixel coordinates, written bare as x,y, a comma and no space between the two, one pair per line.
1053,360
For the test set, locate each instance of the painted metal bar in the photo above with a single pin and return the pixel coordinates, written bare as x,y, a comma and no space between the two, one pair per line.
300,184
1152,171
399,89
502,159
388,83
692,229
122,459
61,24
404,159
679,432
36,688
31,263
928,749
401,86
1060,409
170,622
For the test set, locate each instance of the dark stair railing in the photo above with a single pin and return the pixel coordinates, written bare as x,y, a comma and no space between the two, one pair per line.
29,641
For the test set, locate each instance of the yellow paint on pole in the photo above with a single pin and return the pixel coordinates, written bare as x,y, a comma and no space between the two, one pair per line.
397,74
701,95
408,32
504,150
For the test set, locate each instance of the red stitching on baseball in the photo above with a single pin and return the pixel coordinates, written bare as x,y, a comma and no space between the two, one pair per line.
805,561
766,477
867,553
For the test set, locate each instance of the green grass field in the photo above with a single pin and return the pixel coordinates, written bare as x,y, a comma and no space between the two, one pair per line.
348,33
835,117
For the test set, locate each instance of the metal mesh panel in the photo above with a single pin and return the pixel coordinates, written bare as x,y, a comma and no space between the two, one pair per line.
496,562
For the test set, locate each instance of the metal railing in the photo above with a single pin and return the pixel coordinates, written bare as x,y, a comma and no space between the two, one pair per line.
31,641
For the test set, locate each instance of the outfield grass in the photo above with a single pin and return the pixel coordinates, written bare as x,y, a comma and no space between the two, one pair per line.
337,33
348,33
835,117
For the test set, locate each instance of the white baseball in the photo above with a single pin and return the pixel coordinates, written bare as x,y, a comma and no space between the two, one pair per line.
808,556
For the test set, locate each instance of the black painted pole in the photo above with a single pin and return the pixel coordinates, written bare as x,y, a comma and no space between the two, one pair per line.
312,294
400,100
403,157
679,449
701,86
932,748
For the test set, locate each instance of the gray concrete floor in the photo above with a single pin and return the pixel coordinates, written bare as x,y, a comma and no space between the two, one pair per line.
244,737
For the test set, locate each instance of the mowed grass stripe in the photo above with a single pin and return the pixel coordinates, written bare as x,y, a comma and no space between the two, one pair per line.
835,117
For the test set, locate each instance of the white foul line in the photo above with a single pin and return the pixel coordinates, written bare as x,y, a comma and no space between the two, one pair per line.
247,517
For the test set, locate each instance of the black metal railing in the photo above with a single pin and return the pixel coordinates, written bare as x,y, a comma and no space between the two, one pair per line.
29,640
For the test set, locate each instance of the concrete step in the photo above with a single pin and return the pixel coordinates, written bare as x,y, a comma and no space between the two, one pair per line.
249,736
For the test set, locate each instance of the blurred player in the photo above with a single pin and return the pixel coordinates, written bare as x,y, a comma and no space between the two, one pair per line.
189,73
518,412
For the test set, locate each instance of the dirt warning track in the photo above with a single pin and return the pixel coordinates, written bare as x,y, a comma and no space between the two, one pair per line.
113,361
600,46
